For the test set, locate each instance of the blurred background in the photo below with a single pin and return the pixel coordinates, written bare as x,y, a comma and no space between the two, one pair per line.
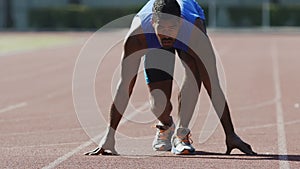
40,43
35,15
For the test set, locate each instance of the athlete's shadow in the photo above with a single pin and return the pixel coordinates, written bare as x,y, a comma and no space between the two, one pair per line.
277,157
223,156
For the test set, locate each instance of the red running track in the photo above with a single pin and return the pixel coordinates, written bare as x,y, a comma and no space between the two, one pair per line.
39,127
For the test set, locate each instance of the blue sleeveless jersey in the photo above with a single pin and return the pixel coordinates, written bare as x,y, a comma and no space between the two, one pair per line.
190,11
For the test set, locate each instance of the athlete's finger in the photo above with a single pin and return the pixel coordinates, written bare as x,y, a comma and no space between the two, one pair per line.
96,151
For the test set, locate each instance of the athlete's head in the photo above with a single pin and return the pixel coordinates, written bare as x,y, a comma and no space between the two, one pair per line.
165,21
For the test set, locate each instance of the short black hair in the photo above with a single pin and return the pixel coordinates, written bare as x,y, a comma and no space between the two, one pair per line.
170,7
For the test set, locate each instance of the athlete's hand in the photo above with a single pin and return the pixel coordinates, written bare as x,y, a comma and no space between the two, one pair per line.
235,141
101,151
107,144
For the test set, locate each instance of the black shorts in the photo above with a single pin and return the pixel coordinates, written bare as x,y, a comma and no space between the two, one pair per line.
159,65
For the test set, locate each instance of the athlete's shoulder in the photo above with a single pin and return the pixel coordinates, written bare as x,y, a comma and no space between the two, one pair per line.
135,39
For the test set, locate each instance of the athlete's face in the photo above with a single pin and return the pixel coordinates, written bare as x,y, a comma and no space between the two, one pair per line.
166,31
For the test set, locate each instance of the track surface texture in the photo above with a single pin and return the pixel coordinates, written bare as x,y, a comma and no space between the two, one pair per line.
40,128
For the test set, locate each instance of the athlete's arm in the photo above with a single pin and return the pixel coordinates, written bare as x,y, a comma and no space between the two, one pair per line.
133,50
203,53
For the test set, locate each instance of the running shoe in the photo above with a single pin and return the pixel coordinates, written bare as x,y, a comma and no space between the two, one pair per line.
182,143
162,140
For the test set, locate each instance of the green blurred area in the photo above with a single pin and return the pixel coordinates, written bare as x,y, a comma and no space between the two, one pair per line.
25,42
77,16
252,16
84,17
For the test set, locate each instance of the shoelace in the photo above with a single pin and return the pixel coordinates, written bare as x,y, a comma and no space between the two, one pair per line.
187,139
163,133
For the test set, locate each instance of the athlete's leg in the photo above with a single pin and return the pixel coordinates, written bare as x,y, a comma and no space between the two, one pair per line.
161,105
192,84
159,68
187,99
189,92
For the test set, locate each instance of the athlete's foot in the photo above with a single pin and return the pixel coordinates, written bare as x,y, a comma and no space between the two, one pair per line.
100,151
182,143
162,140
235,141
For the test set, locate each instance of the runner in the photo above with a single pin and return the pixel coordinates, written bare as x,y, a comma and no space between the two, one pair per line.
164,30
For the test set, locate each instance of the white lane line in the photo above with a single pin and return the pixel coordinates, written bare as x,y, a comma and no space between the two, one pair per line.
257,127
88,143
256,106
13,107
282,150
71,153
268,125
